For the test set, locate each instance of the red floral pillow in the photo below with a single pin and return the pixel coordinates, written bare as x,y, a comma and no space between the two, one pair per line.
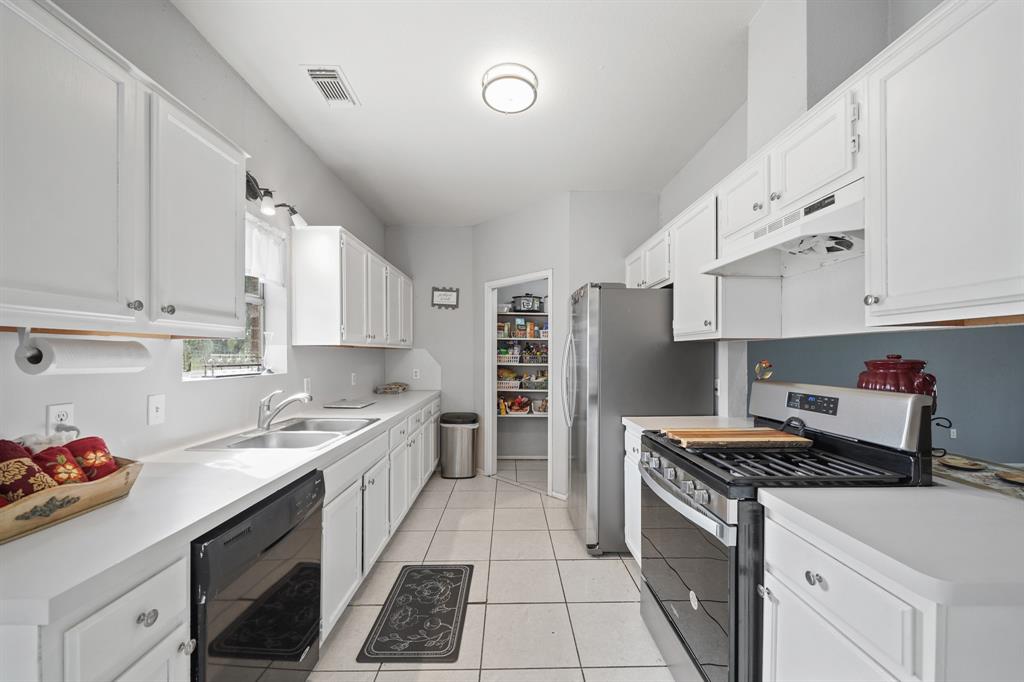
11,450
20,477
92,455
60,464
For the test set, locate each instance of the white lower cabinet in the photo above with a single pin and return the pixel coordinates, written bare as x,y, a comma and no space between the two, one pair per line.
376,514
631,494
415,448
398,482
342,559
168,661
802,646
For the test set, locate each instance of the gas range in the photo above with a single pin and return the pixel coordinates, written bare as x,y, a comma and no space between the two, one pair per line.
703,528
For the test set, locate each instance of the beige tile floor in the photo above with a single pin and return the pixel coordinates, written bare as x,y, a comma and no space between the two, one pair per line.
528,473
540,607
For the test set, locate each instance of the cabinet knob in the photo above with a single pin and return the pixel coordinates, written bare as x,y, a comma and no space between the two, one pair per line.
707,323
871,299
147,618
813,578
763,592
169,309
757,206
186,648
372,481
775,196
135,305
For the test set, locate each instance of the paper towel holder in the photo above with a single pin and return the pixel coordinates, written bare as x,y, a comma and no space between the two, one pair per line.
32,354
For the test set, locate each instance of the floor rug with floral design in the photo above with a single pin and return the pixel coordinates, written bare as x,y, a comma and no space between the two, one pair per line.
423,617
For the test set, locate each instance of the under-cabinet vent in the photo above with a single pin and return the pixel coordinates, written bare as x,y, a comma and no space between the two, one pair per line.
332,85
791,218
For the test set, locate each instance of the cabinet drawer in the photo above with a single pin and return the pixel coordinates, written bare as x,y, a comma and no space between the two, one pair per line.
425,414
872,617
107,642
435,407
397,434
415,421
351,467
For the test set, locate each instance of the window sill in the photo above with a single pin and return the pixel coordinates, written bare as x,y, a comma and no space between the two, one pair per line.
197,379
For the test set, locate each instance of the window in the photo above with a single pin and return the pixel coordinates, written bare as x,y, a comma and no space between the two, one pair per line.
232,357
266,250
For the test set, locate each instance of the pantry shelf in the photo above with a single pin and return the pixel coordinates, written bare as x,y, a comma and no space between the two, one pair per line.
524,416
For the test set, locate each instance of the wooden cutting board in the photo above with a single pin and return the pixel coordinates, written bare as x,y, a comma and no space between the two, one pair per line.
757,436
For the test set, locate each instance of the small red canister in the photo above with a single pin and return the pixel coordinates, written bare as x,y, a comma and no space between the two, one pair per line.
899,375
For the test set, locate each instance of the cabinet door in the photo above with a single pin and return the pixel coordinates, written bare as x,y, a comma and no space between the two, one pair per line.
694,296
406,285
197,237
821,151
742,199
635,270
435,442
945,222
427,450
394,308
166,662
353,291
631,495
376,299
800,645
342,554
376,512
71,178
398,477
415,466
658,261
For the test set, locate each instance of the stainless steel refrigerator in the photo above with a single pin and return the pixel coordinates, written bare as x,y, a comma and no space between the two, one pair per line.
619,361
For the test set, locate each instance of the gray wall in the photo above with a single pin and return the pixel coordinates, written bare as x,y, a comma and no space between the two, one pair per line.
905,13
842,36
979,371
162,43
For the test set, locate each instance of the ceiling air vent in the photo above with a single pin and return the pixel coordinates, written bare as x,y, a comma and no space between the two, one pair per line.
331,83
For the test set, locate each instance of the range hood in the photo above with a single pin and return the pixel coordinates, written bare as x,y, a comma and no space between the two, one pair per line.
825,230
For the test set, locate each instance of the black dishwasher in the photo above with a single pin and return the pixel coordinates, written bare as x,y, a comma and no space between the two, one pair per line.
256,588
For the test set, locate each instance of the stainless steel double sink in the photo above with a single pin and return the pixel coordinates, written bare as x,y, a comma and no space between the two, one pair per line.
291,434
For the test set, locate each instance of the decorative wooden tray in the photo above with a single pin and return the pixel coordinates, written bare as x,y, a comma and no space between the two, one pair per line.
54,505
753,437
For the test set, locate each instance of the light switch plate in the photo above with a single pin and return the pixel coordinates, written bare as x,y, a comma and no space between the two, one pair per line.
353,378
415,374
155,407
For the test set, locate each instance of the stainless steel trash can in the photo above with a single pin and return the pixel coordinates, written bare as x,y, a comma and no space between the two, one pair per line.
458,444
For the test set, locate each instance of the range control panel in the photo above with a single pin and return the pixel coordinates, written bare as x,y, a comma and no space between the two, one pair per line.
822,404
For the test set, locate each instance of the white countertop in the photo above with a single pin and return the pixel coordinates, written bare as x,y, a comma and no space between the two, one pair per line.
948,543
178,496
638,425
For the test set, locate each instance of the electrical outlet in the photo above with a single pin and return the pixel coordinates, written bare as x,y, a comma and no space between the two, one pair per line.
61,413
952,433
416,374
155,409
353,378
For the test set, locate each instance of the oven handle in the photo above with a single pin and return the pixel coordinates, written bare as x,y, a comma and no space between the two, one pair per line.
725,533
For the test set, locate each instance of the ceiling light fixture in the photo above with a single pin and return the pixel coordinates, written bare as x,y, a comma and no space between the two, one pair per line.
509,88
293,213
267,202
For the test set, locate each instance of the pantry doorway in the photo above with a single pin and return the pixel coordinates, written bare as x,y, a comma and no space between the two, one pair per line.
517,427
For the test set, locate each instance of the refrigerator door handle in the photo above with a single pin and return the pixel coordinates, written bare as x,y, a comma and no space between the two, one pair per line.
567,370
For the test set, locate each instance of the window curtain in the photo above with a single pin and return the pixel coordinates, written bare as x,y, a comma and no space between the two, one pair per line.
266,251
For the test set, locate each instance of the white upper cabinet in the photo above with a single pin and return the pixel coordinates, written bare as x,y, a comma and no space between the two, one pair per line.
945,207
376,300
71,178
345,294
817,152
694,296
742,199
197,227
87,182
650,266
353,291
635,269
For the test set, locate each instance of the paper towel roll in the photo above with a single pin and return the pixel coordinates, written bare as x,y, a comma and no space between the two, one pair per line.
38,355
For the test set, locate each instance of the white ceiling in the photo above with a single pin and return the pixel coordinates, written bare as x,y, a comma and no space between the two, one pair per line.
629,91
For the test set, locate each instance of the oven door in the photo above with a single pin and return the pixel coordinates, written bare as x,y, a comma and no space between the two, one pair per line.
689,565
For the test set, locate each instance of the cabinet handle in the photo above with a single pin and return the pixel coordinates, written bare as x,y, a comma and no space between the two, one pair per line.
372,481
186,648
871,299
757,206
764,592
775,196
135,305
707,323
147,618
169,309
813,578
